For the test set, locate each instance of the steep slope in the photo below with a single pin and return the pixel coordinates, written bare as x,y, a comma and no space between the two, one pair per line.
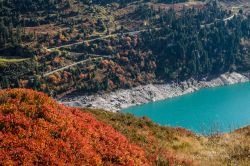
55,49
35,130
176,146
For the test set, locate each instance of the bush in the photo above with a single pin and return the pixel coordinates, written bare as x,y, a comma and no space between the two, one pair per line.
35,130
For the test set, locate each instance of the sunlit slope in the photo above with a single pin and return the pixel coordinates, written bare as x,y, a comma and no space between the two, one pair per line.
36,130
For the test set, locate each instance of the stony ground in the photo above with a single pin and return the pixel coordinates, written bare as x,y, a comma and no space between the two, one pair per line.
115,101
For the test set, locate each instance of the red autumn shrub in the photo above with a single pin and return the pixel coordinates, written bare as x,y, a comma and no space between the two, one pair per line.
36,130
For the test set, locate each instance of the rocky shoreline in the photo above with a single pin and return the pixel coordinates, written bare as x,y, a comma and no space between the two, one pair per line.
120,99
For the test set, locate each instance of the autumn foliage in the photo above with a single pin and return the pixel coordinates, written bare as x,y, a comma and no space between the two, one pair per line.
36,130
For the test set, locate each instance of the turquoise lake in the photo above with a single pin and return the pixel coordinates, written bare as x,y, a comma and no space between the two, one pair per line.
220,109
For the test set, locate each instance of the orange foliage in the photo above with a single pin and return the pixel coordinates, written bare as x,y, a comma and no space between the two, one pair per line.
83,76
111,84
140,78
55,78
110,48
36,130
43,86
23,83
61,37
52,78
184,131
105,63
122,79
66,75
128,39
57,59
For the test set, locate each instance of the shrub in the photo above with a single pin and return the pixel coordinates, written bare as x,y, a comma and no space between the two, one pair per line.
36,130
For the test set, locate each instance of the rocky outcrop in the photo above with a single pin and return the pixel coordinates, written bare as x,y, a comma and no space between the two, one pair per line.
120,99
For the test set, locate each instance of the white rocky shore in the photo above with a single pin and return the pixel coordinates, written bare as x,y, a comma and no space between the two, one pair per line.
120,99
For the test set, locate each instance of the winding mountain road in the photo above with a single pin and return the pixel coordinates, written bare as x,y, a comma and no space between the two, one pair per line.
126,33
95,57
102,37
225,20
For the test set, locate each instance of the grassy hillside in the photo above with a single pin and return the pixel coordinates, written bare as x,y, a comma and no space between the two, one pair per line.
34,129
177,146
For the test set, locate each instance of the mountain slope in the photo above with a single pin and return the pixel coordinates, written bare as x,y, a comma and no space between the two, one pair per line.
35,130
177,146
55,49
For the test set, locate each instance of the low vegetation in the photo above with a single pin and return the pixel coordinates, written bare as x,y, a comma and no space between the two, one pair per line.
35,129
177,146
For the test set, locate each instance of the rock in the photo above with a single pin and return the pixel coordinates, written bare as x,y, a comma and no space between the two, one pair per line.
120,99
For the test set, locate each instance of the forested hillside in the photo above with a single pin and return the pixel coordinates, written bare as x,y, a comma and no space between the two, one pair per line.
61,47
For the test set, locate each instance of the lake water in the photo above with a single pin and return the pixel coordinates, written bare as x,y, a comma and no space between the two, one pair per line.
220,109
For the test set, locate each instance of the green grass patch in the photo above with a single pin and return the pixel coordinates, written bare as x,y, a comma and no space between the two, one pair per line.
4,61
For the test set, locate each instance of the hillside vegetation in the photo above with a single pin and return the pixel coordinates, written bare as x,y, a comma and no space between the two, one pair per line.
88,47
36,130
177,146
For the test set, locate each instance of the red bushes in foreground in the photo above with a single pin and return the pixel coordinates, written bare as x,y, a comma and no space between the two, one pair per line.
34,130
